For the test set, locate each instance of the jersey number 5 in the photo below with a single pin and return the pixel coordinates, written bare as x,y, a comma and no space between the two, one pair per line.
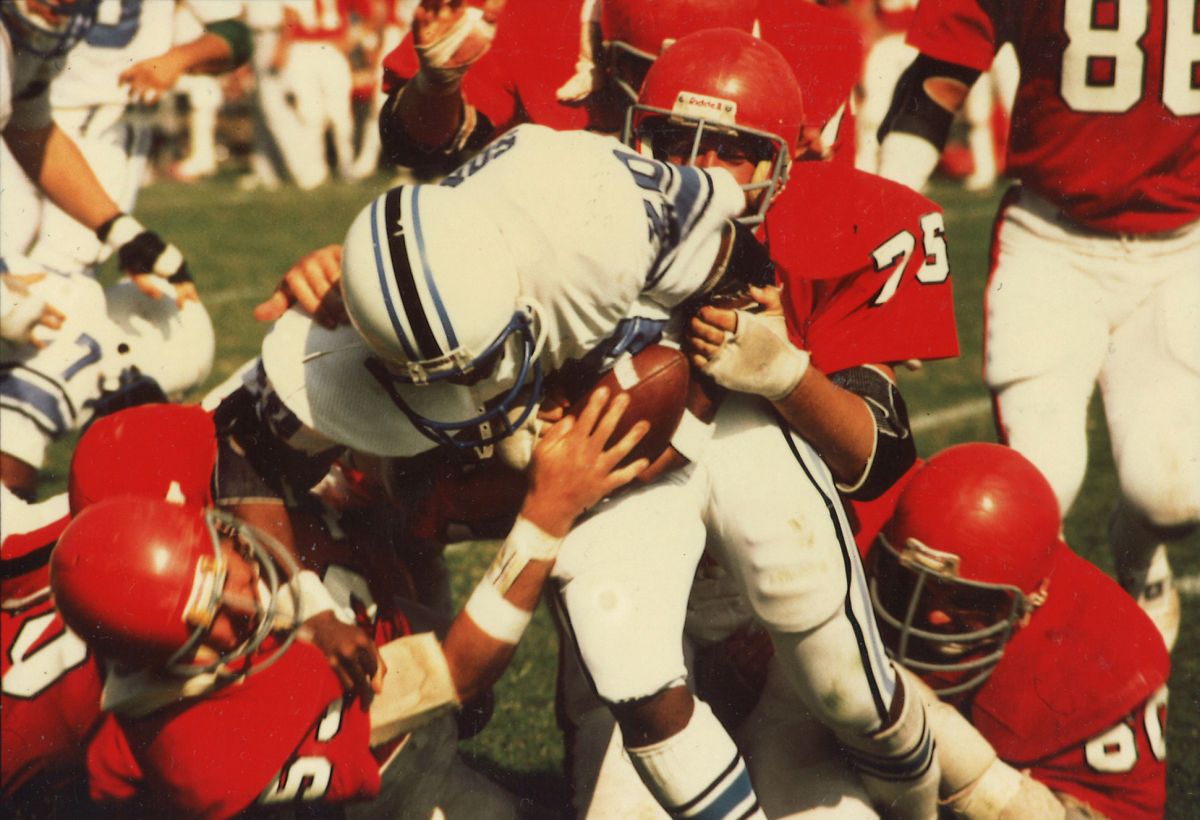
895,252
1104,65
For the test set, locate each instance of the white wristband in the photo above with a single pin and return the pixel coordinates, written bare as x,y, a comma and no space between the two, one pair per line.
496,615
691,436
123,231
311,596
526,542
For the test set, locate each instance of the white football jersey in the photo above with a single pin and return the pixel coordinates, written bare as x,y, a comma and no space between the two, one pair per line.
598,233
127,32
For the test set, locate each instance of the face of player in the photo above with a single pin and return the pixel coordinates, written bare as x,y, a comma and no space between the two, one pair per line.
740,155
235,620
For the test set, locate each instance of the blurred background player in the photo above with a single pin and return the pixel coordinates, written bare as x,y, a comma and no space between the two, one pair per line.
124,66
592,57
234,635
41,406
1093,273
976,592
887,58
311,56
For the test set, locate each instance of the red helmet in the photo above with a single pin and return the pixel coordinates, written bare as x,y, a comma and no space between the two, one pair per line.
141,580
154,450
965,559
635,32
730,82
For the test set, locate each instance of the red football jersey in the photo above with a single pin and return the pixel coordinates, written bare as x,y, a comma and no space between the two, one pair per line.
283,734
1080,699
864,266
50,698
1106,122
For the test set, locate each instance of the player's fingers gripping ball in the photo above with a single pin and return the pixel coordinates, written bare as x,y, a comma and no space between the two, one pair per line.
755,357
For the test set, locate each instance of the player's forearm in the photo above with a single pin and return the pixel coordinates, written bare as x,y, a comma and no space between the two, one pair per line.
427,118
476,658
55,164
914,131
835,421
208,54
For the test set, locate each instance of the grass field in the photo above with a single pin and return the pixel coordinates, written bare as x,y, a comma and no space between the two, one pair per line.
238,244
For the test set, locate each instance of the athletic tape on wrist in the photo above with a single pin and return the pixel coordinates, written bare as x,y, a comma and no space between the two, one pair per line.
691,437
798,360
496,615
123,230
526,542
311,595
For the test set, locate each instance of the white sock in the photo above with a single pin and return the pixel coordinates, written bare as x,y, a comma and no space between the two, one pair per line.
698,772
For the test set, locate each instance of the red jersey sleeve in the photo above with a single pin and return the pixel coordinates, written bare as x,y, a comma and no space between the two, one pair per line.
824,49
864,267
957,31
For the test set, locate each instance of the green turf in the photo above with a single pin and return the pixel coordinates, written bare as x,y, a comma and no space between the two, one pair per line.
238,244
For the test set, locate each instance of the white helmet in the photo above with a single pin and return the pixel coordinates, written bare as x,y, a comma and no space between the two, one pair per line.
430,285
173,346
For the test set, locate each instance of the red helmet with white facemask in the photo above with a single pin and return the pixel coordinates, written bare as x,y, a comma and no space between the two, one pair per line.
964,561
142,582
722,82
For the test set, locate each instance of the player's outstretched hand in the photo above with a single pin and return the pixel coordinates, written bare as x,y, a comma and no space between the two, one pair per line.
354,657
149,79
573,466
23,312
313,284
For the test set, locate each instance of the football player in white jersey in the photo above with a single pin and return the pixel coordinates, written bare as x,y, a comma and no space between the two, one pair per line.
467,297
125,62
51,381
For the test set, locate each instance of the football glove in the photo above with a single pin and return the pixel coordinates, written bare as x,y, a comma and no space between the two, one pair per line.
453,49
141,251
758,358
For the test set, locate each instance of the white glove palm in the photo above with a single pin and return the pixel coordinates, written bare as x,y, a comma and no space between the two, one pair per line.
758,358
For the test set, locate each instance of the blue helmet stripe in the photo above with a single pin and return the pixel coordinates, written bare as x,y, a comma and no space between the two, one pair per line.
383,284
451,339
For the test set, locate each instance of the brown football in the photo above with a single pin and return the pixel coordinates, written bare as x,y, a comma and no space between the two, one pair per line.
656,380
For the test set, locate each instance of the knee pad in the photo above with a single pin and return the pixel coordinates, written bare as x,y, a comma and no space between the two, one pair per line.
627,650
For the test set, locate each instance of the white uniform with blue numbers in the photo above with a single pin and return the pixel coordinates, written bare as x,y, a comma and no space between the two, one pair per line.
599,235
91,107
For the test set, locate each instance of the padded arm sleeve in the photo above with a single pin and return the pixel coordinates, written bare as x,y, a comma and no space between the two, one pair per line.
237,35
894,450
416,689
913,111
400,149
